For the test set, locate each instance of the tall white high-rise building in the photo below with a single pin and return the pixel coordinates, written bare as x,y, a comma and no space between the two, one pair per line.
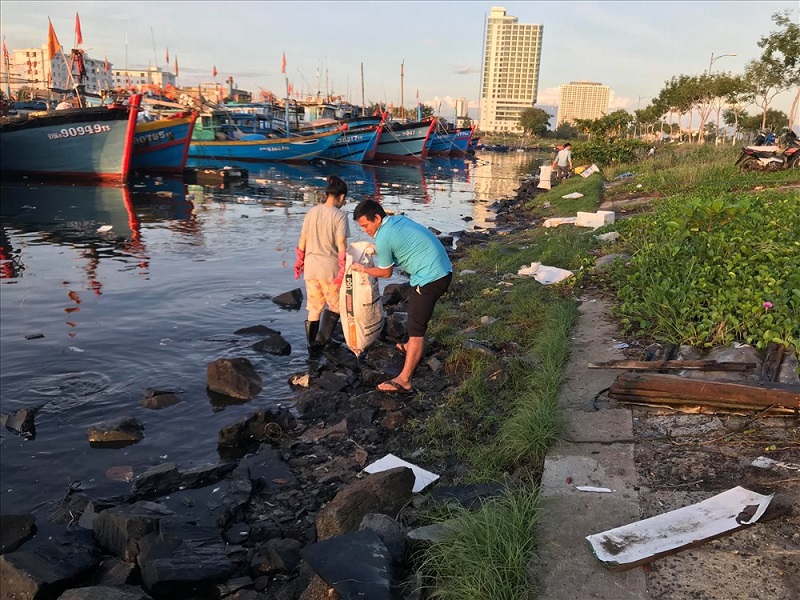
510,80
582,100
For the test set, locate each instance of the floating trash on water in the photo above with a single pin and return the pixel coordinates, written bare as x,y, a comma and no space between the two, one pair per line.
75,349
104,228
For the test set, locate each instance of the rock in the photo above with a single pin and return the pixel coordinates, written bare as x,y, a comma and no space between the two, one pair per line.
299,380
268,472
237,533
390,532
70,509
447,240
233,585
22,420
157,481
277,556
182,558
275,345
394,420
436,533
113,572
355,564
262,330
611,236
290,299
469,496
105,592
789,367
385,493
603,261
205,475
260,426
122,429
157,399
119,529
332,382
15,530
397,325
49,568
235,377
395,293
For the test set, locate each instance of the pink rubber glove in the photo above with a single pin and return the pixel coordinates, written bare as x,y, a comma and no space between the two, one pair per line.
299,264
340,275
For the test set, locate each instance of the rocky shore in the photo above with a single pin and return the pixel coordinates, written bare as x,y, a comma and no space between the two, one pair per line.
289,505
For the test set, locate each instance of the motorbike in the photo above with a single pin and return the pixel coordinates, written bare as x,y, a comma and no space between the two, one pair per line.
771,158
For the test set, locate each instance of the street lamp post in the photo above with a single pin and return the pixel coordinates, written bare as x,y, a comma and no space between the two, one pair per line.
638,102
719,110
713,59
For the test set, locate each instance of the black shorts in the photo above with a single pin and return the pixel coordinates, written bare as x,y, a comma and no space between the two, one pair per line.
421,301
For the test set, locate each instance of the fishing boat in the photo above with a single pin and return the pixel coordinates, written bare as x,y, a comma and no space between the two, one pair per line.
461,140
404,141
161,147
257,148
90,144
358,141
449,141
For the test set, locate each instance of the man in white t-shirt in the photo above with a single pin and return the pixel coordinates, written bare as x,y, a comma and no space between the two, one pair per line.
563,161
321,253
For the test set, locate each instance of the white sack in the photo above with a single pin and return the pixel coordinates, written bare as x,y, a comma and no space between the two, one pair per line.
360,306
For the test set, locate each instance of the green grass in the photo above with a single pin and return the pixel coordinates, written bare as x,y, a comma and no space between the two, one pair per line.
488,553
591,187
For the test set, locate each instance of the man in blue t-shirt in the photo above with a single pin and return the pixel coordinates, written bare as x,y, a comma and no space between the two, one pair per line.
414,249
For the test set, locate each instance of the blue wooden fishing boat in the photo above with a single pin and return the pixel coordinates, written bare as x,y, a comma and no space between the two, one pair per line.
461,140
162,146
357,141
404,141
90,144
256,148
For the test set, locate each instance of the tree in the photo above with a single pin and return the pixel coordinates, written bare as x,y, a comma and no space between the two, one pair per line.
764,81
738,97
534,121
773,119
781,51
427,111
565,131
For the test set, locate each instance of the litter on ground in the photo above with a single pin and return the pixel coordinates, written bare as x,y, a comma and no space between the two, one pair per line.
544,274
422,478
572,196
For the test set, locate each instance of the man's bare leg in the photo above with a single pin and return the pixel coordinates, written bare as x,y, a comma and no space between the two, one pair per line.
414,348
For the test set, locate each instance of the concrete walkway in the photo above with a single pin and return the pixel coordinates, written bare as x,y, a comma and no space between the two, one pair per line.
596,450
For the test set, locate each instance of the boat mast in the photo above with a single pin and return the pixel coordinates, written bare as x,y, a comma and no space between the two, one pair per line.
402,99
363,105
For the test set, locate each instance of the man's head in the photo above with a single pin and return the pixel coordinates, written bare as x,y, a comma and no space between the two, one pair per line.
567,146
369,215
336,188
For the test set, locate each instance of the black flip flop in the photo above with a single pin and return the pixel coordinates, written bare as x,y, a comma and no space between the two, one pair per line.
398,389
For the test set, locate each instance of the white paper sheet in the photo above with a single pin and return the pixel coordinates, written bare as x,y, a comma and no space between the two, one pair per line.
422,479
636,542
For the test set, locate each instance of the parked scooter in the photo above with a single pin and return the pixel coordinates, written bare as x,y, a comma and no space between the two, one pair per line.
771,158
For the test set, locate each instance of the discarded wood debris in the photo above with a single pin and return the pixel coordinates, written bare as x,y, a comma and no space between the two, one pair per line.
672,389
674,365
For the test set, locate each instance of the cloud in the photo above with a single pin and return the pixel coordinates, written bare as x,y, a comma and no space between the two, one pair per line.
465,70
547,96
618,102
429,42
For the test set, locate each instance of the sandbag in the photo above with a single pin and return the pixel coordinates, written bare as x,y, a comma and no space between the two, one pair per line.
360,303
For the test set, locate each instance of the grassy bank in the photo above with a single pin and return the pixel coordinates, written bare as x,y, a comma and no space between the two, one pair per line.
713,261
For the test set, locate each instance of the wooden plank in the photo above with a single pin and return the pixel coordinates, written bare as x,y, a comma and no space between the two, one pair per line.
667,365
655,399
754,394
772,361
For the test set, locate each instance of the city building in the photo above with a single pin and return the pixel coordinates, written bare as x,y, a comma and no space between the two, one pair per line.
510,75
582,100
462,112
29,73
143,79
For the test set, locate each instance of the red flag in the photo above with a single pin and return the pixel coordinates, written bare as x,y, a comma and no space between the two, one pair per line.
167,55
283,63
78,34
289,91
5,50
52,41
176,66
105,65
214,72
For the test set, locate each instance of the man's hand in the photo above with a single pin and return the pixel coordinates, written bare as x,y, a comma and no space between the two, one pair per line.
299,265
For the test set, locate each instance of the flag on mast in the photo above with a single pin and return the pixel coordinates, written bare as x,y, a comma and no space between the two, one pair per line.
5,50
52,41
176,65
105,65
78,34
283,64
167,54
214,71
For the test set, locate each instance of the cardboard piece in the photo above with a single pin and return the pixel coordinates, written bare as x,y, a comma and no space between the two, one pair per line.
641,542
544,274
545,173
422,477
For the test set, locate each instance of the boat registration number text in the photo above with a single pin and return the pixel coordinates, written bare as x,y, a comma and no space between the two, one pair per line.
68,132
155,136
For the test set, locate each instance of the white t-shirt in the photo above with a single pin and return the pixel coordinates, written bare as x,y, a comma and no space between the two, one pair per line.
321,226
563,157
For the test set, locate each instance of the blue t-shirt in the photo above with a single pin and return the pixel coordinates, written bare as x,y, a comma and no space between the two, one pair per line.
412,247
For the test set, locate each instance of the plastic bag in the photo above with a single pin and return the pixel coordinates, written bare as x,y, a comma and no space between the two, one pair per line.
360,304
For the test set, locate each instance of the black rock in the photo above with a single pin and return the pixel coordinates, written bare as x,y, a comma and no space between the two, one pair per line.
273,345
105,592
21,421
119,529
469,496
291,299
256,330
15,530
235,377
157,481
124,430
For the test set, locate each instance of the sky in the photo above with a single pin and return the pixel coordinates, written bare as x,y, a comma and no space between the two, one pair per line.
634,46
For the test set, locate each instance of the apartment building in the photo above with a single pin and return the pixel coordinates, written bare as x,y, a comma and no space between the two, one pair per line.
510,75
582,100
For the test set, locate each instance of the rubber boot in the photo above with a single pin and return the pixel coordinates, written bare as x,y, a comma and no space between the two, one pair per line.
312,329
328,322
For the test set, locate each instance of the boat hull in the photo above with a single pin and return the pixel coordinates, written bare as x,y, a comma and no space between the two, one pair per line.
162,146
461,140
231,152
353,145
88,144
404,142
